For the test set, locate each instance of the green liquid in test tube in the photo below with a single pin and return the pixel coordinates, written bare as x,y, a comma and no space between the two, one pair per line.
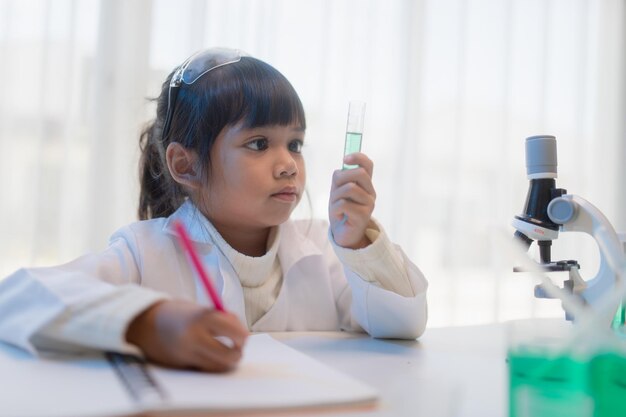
354,130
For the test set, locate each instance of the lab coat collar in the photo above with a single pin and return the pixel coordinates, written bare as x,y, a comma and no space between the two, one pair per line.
193,220
293,246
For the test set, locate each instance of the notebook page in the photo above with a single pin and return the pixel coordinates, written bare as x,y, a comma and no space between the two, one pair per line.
271,375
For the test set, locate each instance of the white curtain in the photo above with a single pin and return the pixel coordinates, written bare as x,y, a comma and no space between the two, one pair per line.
453,87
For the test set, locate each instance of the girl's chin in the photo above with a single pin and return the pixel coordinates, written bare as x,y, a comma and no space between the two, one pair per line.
278,217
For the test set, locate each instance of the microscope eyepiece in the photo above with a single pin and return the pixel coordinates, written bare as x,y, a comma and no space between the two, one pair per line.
541,169
541,157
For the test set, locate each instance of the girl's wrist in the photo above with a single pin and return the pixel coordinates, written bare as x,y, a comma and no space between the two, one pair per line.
362,243
138,329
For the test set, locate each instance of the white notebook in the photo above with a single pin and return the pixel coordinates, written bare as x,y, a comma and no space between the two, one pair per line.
271,377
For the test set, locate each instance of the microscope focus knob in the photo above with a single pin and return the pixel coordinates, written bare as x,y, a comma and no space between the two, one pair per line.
562,210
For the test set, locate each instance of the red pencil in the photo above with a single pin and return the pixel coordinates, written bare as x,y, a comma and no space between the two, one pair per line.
204,276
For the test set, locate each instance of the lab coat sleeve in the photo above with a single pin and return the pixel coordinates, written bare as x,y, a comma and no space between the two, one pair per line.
380,263
388,290
85,304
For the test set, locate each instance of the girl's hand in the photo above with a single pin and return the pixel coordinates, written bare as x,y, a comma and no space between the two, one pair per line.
182,334
352,198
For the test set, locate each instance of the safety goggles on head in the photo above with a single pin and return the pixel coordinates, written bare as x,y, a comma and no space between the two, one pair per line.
192,69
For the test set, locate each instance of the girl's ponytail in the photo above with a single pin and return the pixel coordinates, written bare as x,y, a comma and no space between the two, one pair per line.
160,196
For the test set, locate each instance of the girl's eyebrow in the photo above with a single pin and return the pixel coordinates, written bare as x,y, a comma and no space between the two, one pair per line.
261,131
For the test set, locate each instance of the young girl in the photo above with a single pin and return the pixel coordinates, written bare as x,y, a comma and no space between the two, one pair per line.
223,156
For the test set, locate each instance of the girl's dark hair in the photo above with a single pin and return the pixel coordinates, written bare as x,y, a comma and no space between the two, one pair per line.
249,91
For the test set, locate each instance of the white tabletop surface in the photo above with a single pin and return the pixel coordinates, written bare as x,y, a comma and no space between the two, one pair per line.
455,371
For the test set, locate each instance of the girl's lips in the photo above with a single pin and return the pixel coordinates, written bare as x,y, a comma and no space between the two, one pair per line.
288,194
288,197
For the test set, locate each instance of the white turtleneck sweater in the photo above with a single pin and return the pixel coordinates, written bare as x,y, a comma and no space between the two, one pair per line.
261,277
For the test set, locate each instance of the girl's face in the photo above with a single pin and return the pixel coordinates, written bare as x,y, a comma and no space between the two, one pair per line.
256,177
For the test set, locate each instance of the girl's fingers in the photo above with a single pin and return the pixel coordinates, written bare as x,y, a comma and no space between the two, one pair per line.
361,160
207,362
357,176
227,325
353,193
341,209
213,355
350,215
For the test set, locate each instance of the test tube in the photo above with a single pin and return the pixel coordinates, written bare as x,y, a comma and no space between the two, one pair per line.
354,130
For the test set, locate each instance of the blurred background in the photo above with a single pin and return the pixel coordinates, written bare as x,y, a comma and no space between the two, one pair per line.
453,88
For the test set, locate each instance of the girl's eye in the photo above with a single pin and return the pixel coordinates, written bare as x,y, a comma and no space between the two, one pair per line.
260,144
296,146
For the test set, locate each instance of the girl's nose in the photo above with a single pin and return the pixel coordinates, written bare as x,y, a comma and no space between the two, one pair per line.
286,166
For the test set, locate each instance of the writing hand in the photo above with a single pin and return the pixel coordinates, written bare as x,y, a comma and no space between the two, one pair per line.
182,334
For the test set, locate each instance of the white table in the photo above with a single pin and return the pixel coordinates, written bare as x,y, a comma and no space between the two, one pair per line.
449,372
457,371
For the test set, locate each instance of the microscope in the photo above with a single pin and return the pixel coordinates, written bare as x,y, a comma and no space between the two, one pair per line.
549,210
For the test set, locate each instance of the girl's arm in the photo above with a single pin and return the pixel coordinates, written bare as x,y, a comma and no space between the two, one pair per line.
86,303
388,291
357,239
94,302
387,295
381,263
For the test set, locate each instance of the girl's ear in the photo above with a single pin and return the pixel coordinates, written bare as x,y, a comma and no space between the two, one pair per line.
183,165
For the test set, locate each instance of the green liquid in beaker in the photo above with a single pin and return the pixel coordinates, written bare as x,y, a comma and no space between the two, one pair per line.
541,385
607,376
353,144
547,386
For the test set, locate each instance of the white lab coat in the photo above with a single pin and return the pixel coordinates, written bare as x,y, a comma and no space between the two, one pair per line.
93,299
